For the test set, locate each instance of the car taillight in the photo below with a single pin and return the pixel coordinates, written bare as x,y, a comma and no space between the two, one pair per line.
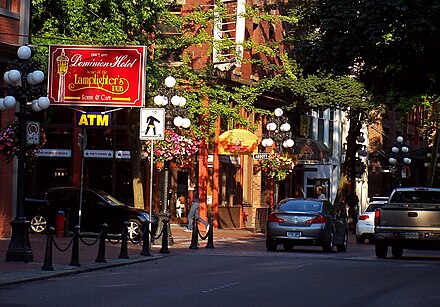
377,217
363,217
274,218
317,220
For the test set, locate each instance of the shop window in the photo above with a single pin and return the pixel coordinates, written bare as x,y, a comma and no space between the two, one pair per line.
98,174
321,126
58,115
331,129
60,138
54,174
312,183
99,139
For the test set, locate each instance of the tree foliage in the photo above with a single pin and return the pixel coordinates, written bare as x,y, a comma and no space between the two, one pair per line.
392,46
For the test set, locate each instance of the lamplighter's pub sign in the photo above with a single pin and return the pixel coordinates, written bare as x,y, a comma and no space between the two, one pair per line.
108,76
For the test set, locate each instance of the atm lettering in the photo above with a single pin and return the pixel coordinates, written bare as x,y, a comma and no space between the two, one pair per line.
97,120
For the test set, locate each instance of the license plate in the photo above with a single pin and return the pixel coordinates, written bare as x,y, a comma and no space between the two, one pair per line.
294,234
411,235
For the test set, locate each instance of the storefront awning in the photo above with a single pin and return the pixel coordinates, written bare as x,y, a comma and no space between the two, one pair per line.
237,142
310,151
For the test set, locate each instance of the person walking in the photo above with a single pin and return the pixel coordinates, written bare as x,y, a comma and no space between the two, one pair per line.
194,212
180,206
299,192
320,192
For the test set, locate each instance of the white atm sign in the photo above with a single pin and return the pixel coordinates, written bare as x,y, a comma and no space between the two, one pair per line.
93,120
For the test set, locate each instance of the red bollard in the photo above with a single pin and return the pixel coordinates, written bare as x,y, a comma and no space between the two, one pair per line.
59,224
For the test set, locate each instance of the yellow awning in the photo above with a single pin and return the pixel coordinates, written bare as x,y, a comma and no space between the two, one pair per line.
237,142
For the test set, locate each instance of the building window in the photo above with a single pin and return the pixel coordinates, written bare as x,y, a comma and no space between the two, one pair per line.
331,129
228,33
321,126
8,5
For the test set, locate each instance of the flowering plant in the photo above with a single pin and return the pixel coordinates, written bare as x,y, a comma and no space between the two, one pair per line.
174,147
277,166
9,143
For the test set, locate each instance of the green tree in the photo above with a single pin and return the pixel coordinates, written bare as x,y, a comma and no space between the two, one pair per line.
391,46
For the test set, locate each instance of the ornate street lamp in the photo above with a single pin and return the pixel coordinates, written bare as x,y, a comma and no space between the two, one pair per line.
22,78
278,133
175,116
400,160
431,165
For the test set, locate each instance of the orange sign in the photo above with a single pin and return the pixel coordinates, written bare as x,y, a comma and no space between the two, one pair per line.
97,75
237,142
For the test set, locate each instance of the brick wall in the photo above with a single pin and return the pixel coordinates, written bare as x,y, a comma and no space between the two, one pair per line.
9,25
6,188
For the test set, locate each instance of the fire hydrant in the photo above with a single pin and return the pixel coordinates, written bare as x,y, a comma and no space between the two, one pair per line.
59,223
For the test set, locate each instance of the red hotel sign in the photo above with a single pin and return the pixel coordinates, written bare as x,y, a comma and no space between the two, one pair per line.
107,76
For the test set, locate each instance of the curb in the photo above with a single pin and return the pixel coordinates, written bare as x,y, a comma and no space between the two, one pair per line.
65,270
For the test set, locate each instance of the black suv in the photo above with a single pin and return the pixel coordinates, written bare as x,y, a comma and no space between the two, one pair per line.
98,207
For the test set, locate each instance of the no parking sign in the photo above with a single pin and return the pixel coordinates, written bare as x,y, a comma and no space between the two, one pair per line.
33,133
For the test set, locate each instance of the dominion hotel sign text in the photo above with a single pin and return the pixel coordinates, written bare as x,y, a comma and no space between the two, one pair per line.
97,76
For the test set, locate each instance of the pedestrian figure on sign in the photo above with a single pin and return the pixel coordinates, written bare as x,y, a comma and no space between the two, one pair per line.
194,212
151,120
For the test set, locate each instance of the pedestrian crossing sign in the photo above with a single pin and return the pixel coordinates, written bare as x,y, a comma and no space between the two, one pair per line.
152,124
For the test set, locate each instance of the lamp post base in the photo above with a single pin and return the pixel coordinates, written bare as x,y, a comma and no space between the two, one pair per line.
161,217
19,247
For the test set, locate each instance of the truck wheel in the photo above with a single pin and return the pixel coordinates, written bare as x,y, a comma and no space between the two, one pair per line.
397,251
381,249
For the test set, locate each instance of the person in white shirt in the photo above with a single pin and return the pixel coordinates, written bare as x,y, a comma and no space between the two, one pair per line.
180,206
320,192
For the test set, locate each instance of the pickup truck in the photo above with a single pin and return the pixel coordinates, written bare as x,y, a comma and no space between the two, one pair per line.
409,220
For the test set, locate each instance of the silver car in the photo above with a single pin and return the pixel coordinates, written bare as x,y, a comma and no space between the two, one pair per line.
307,222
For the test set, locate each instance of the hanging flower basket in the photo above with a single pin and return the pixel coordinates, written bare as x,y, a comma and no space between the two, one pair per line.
9,143
277,166
175,147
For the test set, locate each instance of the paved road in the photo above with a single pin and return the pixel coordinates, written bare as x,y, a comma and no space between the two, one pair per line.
241,272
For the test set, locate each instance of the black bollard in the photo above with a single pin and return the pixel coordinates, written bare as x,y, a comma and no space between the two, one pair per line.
47,266
101,249
146,239
195,235
164,249
74,261
210,243
124,242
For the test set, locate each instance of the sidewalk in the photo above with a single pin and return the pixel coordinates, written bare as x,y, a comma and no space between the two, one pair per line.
15,272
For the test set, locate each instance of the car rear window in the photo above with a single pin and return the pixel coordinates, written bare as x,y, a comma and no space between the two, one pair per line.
301,206
416,197
372,208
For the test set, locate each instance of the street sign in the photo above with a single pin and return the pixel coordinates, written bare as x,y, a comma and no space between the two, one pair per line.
33,133
152,125
261,156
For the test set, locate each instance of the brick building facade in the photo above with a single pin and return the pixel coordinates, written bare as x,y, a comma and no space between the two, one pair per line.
13,33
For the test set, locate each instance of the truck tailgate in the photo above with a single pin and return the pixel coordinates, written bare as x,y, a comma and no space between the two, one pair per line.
423,216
